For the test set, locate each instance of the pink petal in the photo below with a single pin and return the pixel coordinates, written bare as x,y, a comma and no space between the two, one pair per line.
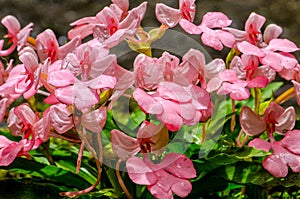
139,172
83,96
228,75
172,91
94,120
189,27
283,45
201,98
65,94
258,82
214,84
257,21
178,165
42,128
251,123
26,114
3,106
146,102
272,31
291,141
30,61
68,47
10,152
4,141
210,38
12,24
123,145
276,166
297,90
102,81
122,4
61,78
61,119
249,49
215,20
260,144
272,60
158,192
226,38
182,188
213,68
286,121
167,15
170,115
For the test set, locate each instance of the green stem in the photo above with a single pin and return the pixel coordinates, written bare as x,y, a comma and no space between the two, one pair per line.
232,124
203,132
257,100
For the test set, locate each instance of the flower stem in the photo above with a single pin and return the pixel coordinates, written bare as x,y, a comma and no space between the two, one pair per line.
31,41
232,124
257,100
121,180
73,194
288,94
203,132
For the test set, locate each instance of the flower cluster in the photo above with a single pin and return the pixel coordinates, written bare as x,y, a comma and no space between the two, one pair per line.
82,78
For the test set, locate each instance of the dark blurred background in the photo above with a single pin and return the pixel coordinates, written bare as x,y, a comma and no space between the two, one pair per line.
57,14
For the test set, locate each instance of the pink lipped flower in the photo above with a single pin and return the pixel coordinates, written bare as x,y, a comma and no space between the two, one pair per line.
17,36
169,176
285,153
275,119
150,138
175,105
170,16
211,30
47,46
23,122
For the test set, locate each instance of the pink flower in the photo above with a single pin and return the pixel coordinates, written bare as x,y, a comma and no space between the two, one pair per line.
149,72
252,33
175,105
17,36
247,68
275,55
107,23
227,82
211,30
60,118
286,153
47,46
275,119
165,178
23,78
151,138
23,122
170,16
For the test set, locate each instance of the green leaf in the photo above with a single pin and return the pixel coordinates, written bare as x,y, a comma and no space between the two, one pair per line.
270,89
65,177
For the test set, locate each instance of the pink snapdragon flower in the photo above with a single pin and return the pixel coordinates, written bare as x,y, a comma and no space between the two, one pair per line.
109,23
227,82
17,36
83,94
149,72
170,16
285,153
275,119
22,121
169,176
247,68
277,54
23,79
175,105
47,46
252,32
151,138
211,29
